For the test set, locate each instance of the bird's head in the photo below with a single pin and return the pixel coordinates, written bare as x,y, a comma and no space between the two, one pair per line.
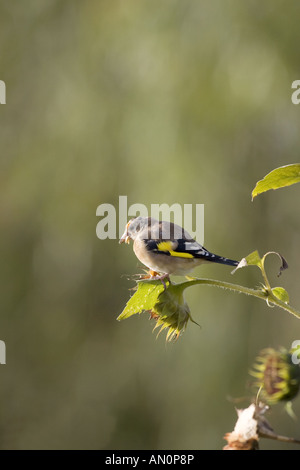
132,229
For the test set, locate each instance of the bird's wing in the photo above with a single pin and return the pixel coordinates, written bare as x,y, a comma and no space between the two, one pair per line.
179,248
170,239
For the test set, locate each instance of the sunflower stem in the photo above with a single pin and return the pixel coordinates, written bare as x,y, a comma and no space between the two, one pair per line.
266,295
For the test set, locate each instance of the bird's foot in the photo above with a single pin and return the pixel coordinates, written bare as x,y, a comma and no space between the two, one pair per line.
155,276
161,278
149,274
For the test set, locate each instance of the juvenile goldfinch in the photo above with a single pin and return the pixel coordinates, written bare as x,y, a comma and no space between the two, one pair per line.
166,248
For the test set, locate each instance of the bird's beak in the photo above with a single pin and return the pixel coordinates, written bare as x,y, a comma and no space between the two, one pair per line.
125,238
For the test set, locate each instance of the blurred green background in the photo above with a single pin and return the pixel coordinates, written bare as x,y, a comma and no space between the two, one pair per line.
165,102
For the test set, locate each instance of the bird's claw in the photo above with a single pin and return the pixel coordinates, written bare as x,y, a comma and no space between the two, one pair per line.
155,276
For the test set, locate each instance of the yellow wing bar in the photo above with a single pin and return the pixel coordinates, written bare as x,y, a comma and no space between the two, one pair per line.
169,246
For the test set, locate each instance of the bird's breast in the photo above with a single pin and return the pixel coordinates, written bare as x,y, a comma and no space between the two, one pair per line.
164,263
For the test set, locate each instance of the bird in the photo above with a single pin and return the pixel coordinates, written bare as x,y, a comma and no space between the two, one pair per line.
167,249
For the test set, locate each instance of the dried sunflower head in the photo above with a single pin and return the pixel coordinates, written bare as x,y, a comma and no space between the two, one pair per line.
166,306
277,377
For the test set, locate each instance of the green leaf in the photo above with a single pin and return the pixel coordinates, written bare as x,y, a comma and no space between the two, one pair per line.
251,260
281,294
278,178
144,299
166,306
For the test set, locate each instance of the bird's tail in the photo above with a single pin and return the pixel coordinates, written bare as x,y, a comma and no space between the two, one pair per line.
206,255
